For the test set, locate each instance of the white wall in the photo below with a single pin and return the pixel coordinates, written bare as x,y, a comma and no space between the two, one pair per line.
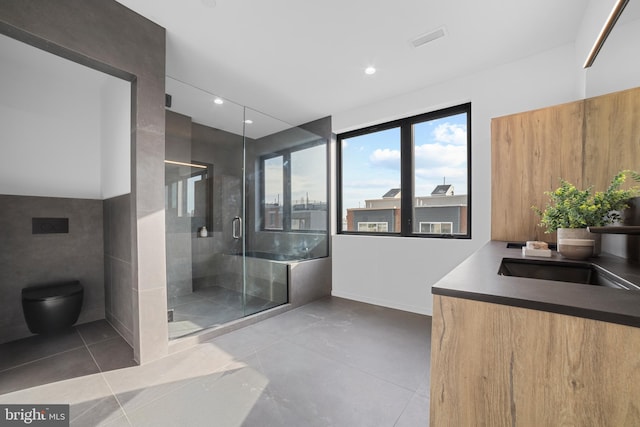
52,125
616,66
399,272
115,138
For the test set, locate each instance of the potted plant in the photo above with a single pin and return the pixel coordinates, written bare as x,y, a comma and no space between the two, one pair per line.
570,210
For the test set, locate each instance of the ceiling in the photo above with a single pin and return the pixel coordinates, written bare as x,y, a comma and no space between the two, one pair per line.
302,60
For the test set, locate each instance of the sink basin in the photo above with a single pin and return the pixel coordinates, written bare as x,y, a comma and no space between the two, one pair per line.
574,272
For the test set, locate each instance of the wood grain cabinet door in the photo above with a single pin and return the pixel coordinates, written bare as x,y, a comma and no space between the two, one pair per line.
530,152
496,365
612,136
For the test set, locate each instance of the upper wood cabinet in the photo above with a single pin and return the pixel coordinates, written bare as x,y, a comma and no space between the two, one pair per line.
612,136
584,142
530,152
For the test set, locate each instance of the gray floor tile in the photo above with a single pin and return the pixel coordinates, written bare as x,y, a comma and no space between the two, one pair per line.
330,363
425,382
220,295
139,385
416,413
60,367
244,341
210,307
118,422
220,400
97,412
112,354
97,331
384,345
288,324
83,394
190,318
201,308
317,390
181,299
37,347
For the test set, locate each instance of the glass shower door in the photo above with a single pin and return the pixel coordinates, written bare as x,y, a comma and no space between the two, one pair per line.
246,199
204,210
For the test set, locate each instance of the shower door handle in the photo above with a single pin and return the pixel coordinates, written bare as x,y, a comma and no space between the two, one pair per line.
236,227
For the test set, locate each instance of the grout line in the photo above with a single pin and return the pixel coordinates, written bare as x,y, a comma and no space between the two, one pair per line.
126,416
349,365
44,357
90,353
405,408
103,376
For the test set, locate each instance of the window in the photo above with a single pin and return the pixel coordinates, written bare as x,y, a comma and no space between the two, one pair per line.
436,227
373,226
273,189
294,188
412,174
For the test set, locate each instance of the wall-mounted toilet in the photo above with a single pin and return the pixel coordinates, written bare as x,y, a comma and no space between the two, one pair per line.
52,307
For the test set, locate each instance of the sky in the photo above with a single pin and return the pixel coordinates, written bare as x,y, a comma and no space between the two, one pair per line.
308,176
371,163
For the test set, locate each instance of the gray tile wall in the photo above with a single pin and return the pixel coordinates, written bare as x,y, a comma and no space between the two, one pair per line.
107,36
118,268
29,259
224,151
178,229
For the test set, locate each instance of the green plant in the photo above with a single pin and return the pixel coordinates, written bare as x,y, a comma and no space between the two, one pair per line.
569,207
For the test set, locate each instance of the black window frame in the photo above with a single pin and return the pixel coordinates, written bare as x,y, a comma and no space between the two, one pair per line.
406,171
287,202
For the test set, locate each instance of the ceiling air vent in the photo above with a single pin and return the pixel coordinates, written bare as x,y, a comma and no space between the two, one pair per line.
428,37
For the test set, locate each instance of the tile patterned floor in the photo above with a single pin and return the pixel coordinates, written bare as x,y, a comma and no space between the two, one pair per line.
210,307
333,362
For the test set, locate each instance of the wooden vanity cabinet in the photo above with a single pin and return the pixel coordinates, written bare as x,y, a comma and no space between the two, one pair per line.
497,365
585,142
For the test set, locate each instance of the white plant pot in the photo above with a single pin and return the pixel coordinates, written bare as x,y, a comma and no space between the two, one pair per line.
581,233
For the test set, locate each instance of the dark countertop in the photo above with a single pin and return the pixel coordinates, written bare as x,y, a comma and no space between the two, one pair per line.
477,278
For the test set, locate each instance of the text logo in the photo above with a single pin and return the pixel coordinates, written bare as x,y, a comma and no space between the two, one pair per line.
34,415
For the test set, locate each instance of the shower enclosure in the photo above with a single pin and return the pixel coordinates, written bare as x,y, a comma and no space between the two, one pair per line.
245,197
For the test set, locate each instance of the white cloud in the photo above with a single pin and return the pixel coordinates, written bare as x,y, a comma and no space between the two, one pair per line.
386,158
449,133
439,155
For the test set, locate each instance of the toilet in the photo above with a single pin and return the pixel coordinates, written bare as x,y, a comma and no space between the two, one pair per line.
52,307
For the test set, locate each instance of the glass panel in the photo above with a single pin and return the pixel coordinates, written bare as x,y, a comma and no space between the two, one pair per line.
371,181
205,269
294,161
309,188
238,186
440,175
273,192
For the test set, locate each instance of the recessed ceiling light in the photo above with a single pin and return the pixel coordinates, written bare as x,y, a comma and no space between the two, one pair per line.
218,101
248,121
370,70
